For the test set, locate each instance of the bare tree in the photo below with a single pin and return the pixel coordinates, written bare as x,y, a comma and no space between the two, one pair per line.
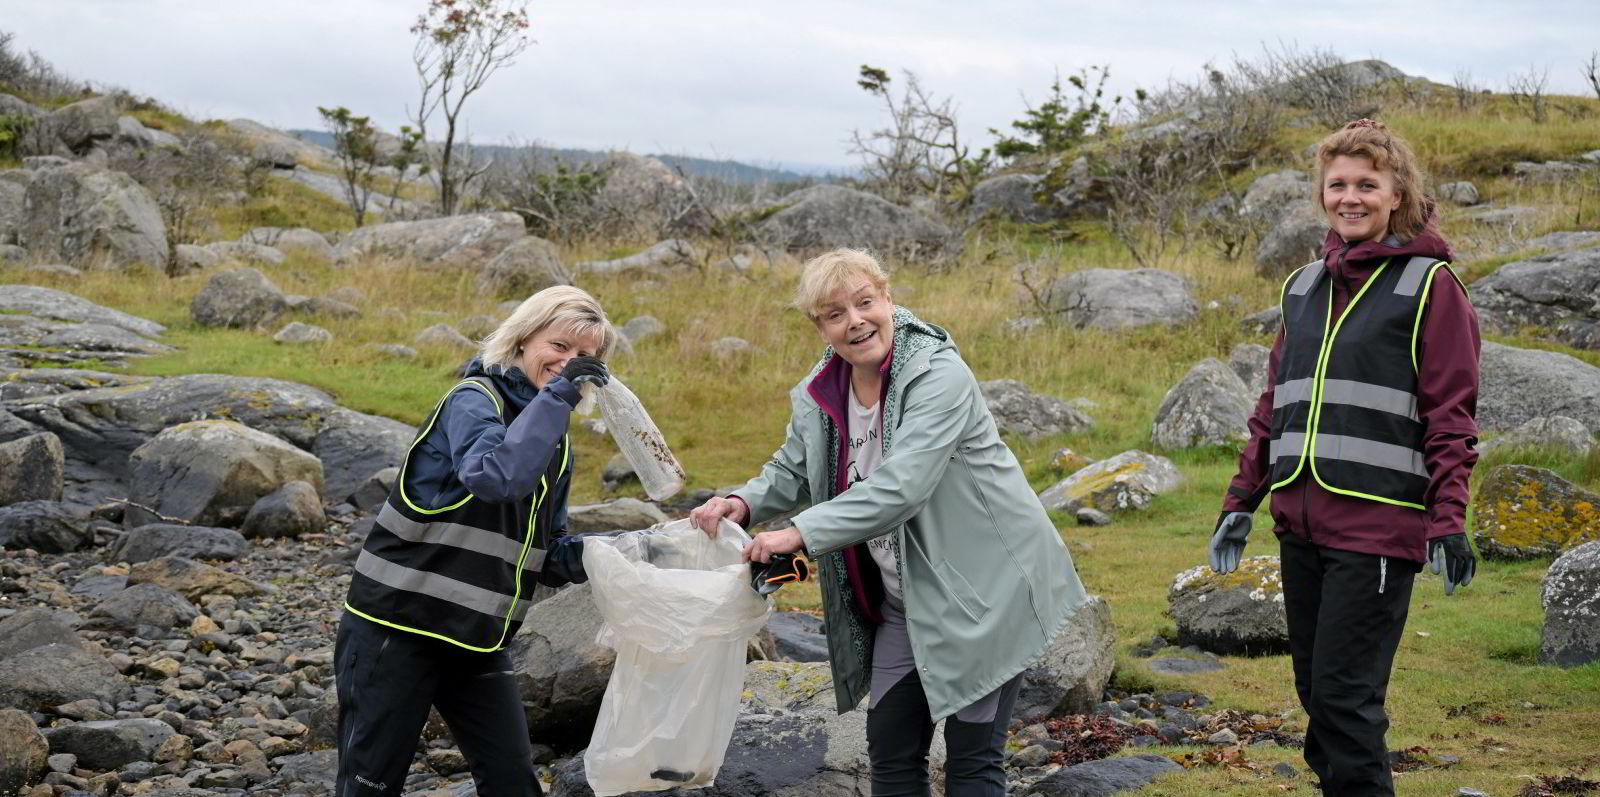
1467,91
460,44
1527,90
920,152
355,143
1591,72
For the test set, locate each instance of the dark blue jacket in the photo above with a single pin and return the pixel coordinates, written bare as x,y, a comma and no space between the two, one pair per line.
498,462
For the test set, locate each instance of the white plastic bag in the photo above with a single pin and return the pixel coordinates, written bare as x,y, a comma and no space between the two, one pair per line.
679,611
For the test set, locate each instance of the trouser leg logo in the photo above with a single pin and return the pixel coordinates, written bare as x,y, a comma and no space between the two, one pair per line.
369,784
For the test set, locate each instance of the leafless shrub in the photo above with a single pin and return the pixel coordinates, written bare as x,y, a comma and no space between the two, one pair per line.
1467,92
1320,82
1527,90
920,151
34,77
186,183
1188,136
1591,72
557,198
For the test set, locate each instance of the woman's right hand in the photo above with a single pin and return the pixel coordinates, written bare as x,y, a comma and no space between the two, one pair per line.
706,516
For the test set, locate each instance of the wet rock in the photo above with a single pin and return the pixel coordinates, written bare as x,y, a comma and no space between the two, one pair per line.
1571,598
1018,410
1523,512
290,511
31,469
799,636
1208,407
156,540
109,744
1238,613
1128,481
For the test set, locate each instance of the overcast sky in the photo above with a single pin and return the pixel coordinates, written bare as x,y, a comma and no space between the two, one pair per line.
764,82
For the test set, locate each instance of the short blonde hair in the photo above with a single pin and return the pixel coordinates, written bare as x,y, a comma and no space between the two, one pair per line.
1371,139
558,305
830,272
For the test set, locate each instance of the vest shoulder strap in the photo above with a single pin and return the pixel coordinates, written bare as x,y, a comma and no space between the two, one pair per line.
1413,274
1299,283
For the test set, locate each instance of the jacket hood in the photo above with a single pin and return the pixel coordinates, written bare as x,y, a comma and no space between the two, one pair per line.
511,381
1362,258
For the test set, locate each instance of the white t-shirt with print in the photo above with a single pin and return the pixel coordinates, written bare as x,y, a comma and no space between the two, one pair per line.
866,454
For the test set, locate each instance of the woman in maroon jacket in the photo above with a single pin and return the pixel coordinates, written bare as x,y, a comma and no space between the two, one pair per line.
1364,437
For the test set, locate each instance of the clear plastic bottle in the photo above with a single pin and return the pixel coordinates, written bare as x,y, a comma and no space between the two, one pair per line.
640,441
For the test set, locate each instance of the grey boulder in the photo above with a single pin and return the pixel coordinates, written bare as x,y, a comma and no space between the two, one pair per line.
1129,481
110,744
300,241
1557,432
1208,407
1114,299
1071,676
1272,196
1250,361
31,469
828,216
44,677
297,333
1238,613
84,122
247,253
45,526
213,472
1011,197
522,269
155,540
48,303
447,242
1295,240
657,260
1571,599
1018,410
148,611
77,213
23,751
193,580
35,628
560,671
623,514
1556,291
290,511
1518,385
648,197
1105,777
1461,192
240,297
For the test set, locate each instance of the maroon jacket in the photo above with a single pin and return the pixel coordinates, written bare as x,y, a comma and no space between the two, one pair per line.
1447,401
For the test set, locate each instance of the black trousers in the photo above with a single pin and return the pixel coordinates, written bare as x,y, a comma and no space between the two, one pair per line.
900,731
1346,613
387,679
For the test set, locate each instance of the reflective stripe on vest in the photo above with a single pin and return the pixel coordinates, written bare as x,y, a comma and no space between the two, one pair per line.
1320,410
461,599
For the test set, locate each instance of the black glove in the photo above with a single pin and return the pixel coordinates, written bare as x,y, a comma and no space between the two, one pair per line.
586,369
1453,556
563,562
782,569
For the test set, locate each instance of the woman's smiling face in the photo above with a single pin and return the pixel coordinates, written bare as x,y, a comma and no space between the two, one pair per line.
545,353
1358,198
858,322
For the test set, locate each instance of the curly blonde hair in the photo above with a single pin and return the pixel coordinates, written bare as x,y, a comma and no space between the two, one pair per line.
827,273
1371,139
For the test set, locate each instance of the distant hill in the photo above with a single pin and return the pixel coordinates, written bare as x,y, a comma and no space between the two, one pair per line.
726,170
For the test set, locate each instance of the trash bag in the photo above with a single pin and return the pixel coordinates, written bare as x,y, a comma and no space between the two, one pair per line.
678,610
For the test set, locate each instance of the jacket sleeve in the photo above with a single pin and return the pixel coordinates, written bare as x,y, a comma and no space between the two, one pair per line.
781,486
937,407
1253,479
1447,402
500,463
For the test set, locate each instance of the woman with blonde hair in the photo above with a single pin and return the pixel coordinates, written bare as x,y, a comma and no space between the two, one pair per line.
1364,437
942,577
476,518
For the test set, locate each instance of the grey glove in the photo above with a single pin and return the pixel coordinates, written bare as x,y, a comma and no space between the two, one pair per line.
1453,556
1227,543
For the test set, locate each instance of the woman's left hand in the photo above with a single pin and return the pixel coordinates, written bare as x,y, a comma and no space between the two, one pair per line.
768,543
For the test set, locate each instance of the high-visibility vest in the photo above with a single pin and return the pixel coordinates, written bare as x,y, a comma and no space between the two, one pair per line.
462,573
1345,398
